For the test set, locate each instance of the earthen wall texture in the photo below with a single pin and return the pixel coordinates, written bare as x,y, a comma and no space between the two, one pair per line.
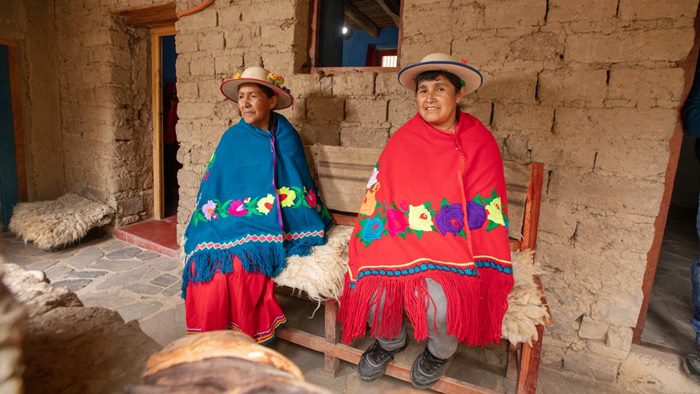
591,89
29,24
106,105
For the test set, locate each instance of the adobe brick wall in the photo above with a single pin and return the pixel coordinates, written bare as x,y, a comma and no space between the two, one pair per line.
105,105
38,79
591,89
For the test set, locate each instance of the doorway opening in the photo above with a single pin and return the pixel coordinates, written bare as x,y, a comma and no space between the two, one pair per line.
669,309
12,176
164,106
664,318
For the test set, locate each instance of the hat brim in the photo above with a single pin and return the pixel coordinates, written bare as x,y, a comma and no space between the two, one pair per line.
229,88
472,77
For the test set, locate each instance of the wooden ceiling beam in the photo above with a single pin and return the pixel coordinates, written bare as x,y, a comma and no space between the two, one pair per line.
360,19
389,12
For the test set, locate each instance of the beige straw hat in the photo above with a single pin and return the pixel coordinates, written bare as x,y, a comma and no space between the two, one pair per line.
471,77
261,76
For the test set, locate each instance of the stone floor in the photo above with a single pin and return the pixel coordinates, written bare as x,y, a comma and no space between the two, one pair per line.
670,311
144,286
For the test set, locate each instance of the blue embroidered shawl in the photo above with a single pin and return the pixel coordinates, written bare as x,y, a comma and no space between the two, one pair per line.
257,202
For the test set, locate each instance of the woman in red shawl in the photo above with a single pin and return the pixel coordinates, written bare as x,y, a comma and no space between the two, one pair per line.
431,237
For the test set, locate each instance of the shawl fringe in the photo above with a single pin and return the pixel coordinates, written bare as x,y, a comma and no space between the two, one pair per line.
268,259
464,318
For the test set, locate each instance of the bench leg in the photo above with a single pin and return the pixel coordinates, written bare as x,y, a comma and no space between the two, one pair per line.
330,362
530,364
512,361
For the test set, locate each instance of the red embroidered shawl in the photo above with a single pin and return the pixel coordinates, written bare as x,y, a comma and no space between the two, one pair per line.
435,207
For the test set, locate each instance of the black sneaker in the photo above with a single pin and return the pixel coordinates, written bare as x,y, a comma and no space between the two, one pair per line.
427,369
691,366
374,361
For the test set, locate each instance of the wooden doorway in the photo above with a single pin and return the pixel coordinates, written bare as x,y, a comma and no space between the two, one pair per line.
164,116
13,185
660,224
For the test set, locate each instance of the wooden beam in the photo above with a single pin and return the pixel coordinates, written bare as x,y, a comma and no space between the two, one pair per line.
149,16
395,369
360,19
389,12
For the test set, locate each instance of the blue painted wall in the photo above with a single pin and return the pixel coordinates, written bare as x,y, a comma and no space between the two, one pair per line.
355,45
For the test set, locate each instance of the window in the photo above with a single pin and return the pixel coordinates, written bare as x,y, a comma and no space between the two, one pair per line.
355,33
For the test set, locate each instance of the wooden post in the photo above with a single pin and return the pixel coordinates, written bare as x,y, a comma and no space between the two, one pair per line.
157,116
330,362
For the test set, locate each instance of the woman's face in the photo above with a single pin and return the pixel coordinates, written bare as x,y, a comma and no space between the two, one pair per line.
254,105
437,102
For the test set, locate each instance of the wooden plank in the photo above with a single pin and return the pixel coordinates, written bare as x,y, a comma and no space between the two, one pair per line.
530,364
343,174
313,35
13,58
330,71
157,121
330,362
532,209
395,369
358,18
157,15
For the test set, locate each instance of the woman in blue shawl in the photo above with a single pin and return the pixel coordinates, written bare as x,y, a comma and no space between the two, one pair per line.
256,205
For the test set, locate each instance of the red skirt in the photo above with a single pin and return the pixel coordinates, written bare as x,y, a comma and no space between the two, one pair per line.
241,301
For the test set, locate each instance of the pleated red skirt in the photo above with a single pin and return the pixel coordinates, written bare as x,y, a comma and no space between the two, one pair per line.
241,301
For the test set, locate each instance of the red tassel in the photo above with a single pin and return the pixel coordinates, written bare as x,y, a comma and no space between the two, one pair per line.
495,287
410,295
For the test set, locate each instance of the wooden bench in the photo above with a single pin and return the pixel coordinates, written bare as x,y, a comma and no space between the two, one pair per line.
342,175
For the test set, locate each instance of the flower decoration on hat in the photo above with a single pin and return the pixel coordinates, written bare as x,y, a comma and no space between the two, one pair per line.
237,76
277,80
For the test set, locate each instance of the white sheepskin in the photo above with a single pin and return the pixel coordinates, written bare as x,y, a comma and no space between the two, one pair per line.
56,223
320,276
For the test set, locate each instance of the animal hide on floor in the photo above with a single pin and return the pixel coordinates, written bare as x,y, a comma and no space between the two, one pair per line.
56,223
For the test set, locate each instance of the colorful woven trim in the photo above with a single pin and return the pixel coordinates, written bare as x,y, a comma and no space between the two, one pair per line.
264,337
268,238
289,197
467,269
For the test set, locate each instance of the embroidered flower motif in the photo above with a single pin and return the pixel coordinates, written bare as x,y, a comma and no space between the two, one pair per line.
369,203
266,203
492,210
420,218
373,177
311,198
237,208
370,230
476,215
287,196
209,210
396,222
450,219
495,211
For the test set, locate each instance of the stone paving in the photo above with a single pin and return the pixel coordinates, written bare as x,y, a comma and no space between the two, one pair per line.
138,284
145,286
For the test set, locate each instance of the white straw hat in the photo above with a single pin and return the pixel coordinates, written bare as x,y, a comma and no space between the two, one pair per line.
470,76
261,76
